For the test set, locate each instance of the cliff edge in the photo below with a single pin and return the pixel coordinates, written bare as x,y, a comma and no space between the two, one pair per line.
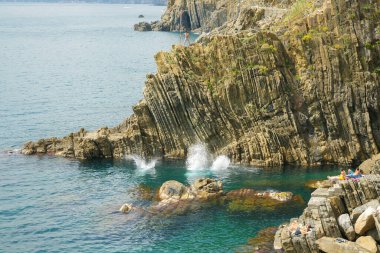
296,82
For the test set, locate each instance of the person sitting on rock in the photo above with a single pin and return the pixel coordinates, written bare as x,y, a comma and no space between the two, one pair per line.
342,176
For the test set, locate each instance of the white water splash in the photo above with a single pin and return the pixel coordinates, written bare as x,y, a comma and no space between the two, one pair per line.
197,158
142,164
220,163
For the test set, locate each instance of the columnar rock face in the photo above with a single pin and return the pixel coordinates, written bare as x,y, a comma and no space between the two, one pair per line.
266,90
341,218
206,15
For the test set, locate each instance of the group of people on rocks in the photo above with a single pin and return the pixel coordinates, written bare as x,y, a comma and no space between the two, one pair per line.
349,175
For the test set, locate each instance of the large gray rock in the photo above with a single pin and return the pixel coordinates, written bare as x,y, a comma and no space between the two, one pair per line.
360,209
365,221
368,243
332,245
346,227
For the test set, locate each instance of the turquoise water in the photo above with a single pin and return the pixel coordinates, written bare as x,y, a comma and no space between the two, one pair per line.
66,66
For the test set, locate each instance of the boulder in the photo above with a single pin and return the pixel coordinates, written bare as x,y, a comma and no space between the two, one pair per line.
126,208
207,185
360,209
365,221
205,188
368,243
346,227
339,245
141,16
143,27
173,189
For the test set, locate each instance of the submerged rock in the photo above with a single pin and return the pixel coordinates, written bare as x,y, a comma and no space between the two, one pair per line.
314,184
261,243
250,200
174,198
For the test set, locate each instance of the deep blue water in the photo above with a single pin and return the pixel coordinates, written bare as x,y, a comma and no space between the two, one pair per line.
66,66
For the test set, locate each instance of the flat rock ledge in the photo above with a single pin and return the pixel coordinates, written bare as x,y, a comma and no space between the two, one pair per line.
342,218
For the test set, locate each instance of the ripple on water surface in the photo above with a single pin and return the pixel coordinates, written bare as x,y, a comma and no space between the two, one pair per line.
66,66
69,205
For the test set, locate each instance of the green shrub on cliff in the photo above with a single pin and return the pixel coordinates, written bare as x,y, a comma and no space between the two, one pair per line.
299,9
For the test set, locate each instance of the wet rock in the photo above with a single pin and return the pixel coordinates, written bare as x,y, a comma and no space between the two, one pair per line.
246,200
207,188
143,27
346,227
173,189
251,193
368,243
314,184
126,208
339,245
262,242
365,222
143,192
141,16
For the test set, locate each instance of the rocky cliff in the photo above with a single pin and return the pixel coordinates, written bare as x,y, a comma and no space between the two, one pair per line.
206,15
290,82
342,218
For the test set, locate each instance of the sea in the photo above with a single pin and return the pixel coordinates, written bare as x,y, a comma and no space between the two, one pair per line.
64,66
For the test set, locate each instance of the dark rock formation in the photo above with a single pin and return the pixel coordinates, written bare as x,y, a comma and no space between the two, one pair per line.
337,219
143,27
273,86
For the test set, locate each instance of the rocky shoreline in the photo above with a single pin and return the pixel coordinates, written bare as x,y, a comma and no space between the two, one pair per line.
270,84
342,218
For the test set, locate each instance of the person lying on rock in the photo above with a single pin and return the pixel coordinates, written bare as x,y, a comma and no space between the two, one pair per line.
297,229
357,174
342,176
